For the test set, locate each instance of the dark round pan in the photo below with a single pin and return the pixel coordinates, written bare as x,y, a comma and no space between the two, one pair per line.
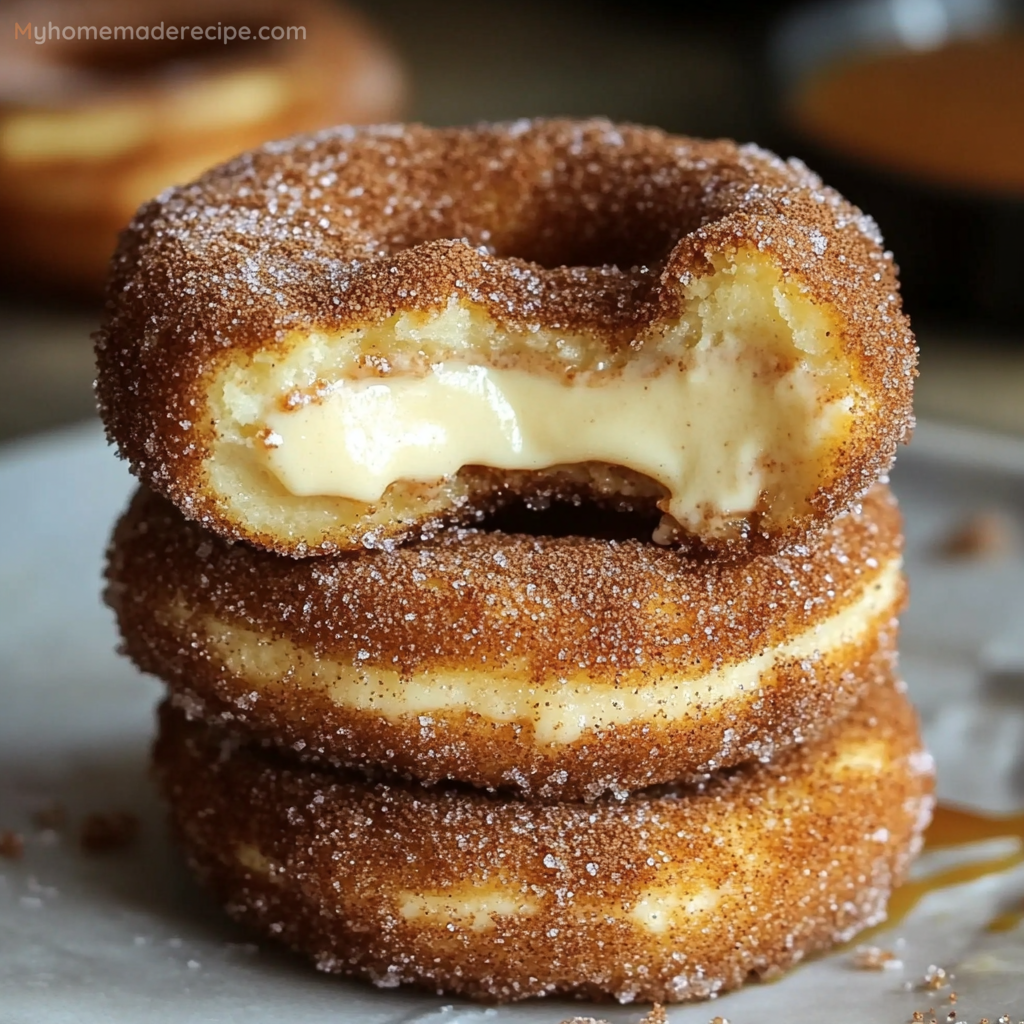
960,251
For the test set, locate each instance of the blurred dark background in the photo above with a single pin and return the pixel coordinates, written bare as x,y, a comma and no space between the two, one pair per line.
752,71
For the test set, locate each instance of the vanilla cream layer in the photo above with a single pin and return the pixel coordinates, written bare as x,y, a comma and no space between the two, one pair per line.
560,710
717,433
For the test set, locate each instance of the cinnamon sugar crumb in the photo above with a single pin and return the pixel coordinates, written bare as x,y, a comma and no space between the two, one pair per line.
12,845
935,978
986,533
874,958
102,833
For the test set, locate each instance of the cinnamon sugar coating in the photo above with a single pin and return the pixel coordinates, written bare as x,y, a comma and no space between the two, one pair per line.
579,231
92,128
676,894
552,666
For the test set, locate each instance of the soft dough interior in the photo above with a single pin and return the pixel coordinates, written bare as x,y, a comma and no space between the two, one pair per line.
736,407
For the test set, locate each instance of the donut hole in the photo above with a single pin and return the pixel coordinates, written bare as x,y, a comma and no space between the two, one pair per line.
576,230
574,237
567,209
598,217
573,519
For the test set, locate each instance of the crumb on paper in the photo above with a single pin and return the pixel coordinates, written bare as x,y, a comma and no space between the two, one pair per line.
935,978
102,833
874,958
52,817
983,534
12,845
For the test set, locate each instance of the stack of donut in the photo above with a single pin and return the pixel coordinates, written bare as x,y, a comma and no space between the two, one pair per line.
512,544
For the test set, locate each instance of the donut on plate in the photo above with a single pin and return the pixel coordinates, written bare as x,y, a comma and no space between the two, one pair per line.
91,127
346,338
548,666
675,894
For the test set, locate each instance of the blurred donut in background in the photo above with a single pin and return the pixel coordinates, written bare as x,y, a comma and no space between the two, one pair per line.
91,127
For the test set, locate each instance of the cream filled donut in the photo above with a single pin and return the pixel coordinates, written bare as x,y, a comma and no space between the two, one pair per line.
91,126
347,339
675,894
552,666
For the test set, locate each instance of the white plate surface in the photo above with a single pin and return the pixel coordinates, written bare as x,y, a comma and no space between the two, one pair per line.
127,937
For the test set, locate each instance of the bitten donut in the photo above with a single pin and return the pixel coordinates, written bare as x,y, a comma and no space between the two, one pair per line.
348,338
551,666
91,127
674,895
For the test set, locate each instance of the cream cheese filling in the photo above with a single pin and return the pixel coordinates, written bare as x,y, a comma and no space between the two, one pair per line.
718,433
561,709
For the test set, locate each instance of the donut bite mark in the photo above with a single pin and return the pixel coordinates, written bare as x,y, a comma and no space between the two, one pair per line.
676,894
547,666
348,339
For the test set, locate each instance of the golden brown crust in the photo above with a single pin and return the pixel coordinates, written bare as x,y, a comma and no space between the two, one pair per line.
582,227
555,616
673,895
341,71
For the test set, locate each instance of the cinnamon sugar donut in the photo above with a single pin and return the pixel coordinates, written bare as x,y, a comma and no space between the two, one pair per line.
348,338
91,127
552,666
676,894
